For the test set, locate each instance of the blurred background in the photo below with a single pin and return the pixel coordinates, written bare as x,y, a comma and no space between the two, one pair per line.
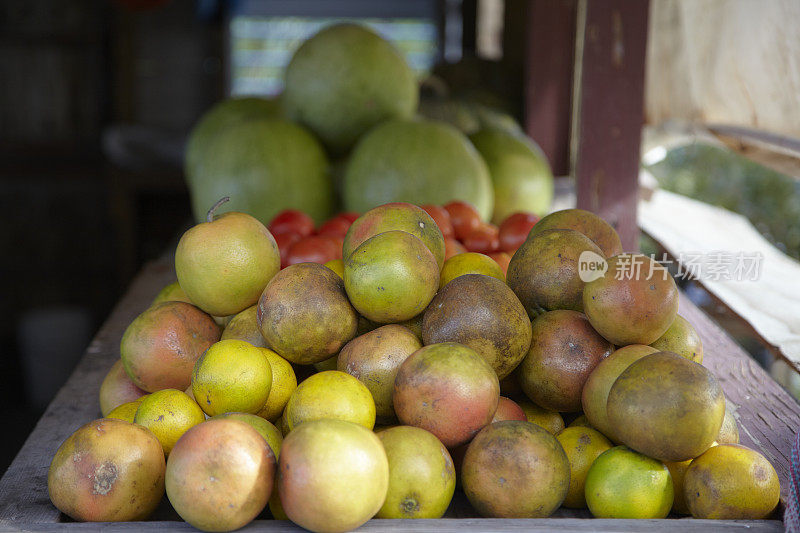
97,99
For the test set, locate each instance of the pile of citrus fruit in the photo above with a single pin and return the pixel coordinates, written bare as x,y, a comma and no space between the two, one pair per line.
380,384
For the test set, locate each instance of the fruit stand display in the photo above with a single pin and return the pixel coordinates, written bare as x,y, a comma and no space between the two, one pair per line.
408,364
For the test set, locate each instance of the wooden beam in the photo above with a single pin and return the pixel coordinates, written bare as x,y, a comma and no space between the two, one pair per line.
610,111
550,57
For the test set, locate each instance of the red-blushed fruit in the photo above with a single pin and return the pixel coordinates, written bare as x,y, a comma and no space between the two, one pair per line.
117,388
314,249
464,218
395,216
109,470
442,218
337,227
349,215
159,348
447,389
483,239
292,221
514,230
515,469
502,259
220,475
453,247
332,476
284,242
508,409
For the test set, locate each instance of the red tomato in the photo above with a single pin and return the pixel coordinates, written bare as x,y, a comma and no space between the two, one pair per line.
285,241
514,230
315,249
452,247
292,221
484,239
464,218
502,259
337,227
442,218
349,216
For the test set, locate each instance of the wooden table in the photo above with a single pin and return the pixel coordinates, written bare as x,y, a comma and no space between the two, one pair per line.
768,419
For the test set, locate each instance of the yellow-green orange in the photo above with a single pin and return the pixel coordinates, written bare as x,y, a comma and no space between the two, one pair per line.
159,348
731,482
220,475
543,272
168,413
552,421
232,376
224,264
265,428
107,471
595,391
495,480
582,445
243,326
682,339
396,216
729,431
586,222
677,471
284,381
374,358
666,407
635,302
332,475
483,313
171,293
470,263
422,477
447,389
126,411
330,394
337,265
391,277
305,315
117,389
622,483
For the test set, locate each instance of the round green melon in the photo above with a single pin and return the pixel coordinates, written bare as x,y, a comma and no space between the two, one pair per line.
344,80
521,176
417,161
221,116
265,166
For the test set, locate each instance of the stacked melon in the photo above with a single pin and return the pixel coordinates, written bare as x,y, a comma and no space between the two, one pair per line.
346,121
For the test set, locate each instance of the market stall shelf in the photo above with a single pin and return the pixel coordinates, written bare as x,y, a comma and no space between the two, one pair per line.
768,419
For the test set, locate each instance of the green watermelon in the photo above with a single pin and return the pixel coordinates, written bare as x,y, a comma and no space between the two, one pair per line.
344,80
521,176
265,166
417,161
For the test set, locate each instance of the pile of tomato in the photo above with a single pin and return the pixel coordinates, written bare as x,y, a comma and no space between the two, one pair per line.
300,241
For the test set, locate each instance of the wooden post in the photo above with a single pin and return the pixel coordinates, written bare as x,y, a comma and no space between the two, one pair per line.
550,53
610,111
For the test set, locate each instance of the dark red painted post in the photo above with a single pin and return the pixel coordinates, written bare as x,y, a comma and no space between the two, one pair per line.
550,62
611,112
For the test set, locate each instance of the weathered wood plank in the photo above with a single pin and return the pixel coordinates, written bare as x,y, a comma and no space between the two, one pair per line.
472,525
23,488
